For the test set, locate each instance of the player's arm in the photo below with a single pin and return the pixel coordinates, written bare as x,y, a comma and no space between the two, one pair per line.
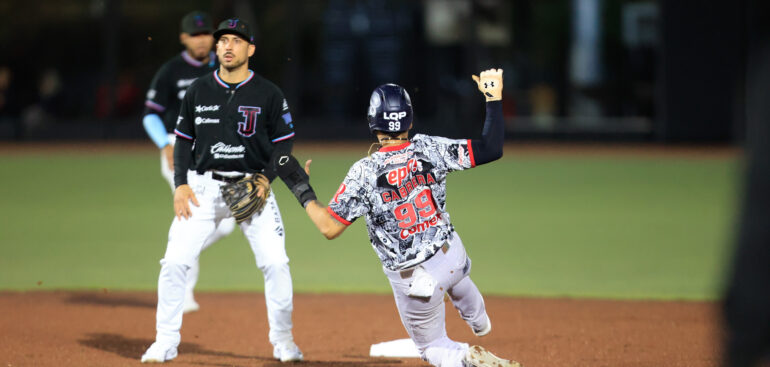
298,181
326,224
280,149
281,133
154,107
330,227
183,157
490,147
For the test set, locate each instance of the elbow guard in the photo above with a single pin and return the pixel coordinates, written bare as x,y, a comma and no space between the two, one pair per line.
295,178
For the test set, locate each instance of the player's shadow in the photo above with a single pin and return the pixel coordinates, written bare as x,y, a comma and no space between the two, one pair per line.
111,300
134,348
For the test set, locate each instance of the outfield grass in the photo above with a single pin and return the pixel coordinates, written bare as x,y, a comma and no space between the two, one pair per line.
554,225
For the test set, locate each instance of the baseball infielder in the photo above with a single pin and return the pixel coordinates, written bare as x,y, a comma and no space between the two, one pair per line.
232,123
162,108
401,190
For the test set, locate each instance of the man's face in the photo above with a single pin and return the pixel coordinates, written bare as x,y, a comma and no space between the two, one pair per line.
233,51
199,45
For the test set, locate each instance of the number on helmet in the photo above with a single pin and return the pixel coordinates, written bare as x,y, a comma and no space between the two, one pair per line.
394,125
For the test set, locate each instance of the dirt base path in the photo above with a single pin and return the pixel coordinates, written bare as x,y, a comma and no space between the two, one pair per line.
114,329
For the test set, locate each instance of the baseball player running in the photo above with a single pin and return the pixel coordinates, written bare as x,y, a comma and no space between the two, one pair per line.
401,189
162,108
231,124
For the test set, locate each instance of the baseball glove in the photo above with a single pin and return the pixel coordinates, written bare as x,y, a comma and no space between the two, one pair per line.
242,197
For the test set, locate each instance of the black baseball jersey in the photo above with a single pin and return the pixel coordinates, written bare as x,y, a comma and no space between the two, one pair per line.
233,127
170,83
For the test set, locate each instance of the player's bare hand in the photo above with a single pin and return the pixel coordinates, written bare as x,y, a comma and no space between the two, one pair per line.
183,195
307,166
168,152
490,83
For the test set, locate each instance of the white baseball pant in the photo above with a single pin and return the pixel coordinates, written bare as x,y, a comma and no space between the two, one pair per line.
225,227
424,318
187,238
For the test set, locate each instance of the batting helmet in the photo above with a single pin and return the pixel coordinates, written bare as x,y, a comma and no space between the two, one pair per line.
390,109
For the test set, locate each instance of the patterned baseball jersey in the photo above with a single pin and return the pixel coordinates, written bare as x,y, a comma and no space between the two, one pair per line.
402,192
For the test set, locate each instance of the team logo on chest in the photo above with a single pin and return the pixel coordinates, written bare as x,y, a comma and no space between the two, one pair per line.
248,126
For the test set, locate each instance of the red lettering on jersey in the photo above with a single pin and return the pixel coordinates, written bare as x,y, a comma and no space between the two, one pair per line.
403,192
430,179
409,186
396,176
394,195
421,179
420,227
386,197
339,191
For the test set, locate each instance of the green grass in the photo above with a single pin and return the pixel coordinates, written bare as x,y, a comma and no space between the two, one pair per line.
621,227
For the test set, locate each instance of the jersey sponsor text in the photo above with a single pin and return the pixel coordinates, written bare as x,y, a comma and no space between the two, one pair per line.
211,108
184,83
204,120
221,150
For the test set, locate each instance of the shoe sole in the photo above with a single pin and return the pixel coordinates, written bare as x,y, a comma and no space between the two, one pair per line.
480,357
146,359
291,360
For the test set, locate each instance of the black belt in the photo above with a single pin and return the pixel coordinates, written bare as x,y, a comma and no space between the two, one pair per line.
228,179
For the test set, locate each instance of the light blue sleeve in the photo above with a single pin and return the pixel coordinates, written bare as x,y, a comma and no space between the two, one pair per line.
155,129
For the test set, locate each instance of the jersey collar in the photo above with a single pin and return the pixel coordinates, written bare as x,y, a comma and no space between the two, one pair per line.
192,61
394,148
220,82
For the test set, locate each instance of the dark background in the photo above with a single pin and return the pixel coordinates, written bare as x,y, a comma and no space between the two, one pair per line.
620,70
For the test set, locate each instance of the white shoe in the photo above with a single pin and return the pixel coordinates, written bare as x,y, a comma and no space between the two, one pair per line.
287,352
479,357
485,330
158,353
190,306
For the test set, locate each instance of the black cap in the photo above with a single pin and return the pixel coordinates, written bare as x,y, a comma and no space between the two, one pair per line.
234,26
196,22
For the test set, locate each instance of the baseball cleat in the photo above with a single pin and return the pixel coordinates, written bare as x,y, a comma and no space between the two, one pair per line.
190,306
158,353
484,330
479,357
287,352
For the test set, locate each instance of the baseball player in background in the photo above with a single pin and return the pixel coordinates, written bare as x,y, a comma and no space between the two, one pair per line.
401,190
232,123
162,108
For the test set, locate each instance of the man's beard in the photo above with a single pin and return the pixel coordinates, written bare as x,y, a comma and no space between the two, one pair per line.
200,57
234,65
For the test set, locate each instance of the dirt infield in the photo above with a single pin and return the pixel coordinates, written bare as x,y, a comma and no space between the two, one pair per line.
114,328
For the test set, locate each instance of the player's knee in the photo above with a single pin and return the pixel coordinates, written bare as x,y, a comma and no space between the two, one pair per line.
275,270
177,260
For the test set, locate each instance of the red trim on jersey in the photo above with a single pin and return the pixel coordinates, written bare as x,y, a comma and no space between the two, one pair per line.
337,217
394,148
179,133
470,153
154,106
282,138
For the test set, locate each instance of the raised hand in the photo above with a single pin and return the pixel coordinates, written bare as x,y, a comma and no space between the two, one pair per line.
490,83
